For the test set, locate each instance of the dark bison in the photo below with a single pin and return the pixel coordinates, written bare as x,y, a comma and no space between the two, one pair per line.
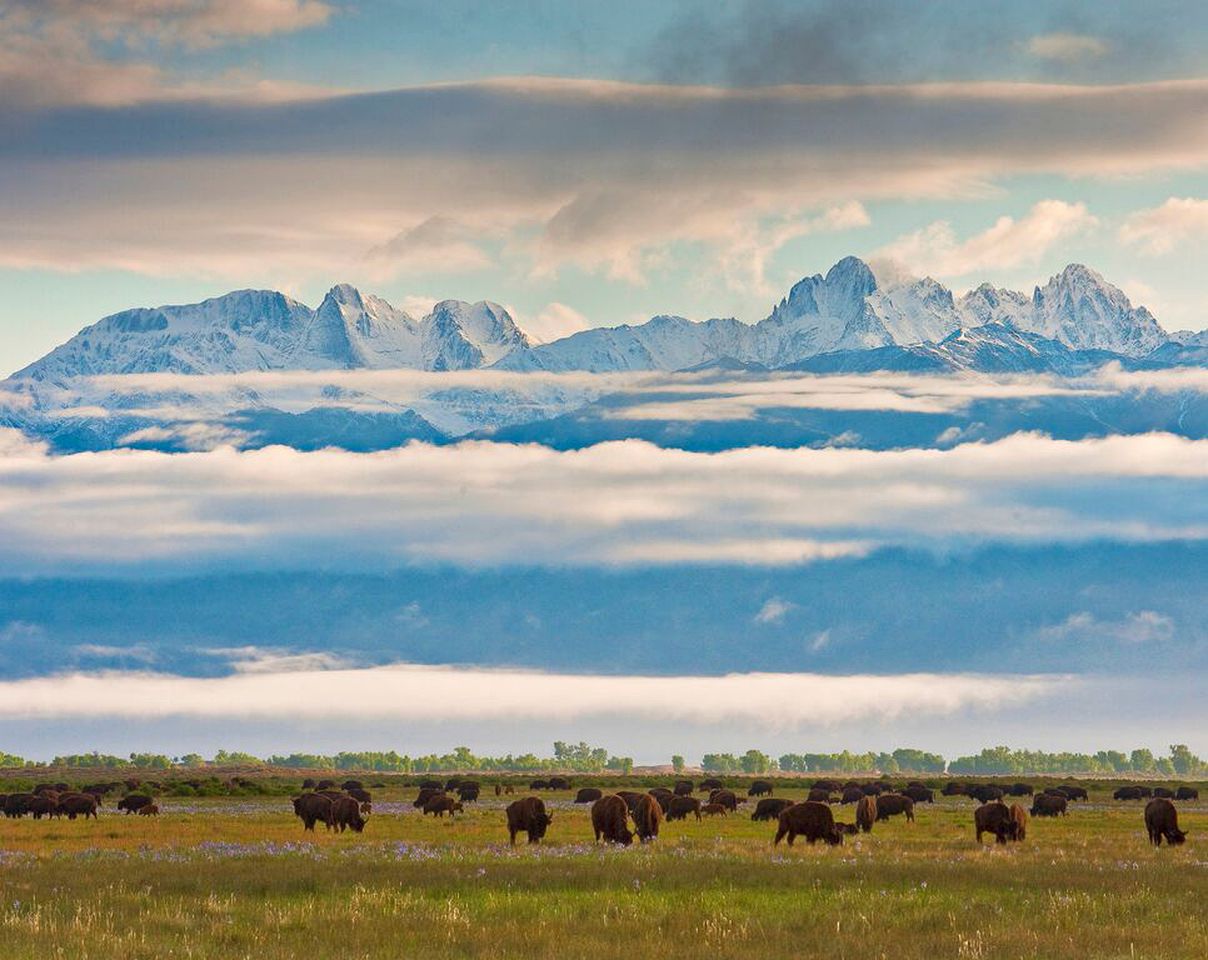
830,786
873,789
72,805
150,810
1187,793
681,807
852,795
311,808
630,797
985,792
308,783
1075,792
431,785
711,783
919,794
528,814
325,785
539,785
361,795
891,804
1162,820
993,817
954,789
866,813
468,792
770,808
42,804
714,810
760,788
683,788
1049,805
726,798
647,817
346,813
1019,822
453,783
349,785
818,795
810,819
588,795
16,805
610,820
1164,793
426,794
440,804
1130,793
559,783
663,796
132,803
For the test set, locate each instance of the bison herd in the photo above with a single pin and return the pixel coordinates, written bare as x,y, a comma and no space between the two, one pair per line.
621,816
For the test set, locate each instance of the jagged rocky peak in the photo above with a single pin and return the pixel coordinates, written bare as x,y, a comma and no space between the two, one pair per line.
1084,311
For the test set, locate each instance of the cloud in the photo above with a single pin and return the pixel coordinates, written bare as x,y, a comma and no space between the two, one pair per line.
1141,627
774,611
405,691
1067,47
554,322
1159,230
616,504
935,249
602,176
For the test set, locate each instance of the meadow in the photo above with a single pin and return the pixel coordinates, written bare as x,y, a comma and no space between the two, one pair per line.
235,877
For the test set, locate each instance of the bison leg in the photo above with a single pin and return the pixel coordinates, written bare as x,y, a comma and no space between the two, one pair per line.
780,832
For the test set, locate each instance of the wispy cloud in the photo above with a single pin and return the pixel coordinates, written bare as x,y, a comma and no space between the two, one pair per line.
774,611
1161,229
1067,47
1141,627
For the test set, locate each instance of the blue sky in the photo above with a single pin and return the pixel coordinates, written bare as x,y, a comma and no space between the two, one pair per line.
130,176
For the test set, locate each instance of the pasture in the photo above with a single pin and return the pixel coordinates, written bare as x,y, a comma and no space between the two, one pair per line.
235,877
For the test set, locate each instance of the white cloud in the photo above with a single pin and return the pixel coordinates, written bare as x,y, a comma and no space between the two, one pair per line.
935,249
404,691
1067,47
1141,627
1159,230
557,320
774,611
621,503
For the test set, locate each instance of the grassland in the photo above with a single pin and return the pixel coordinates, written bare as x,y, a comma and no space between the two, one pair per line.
237,877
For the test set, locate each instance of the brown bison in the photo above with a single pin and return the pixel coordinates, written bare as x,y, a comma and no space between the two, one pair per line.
919,794
1019,822
866,813
431,785
325,785
311,808
830,786
453,783
726,798
361,795
1187,793
810,819
681,807
346,813
539,785
760,788
1162,820
770,808
647,817
714,810
683,788
993,817
588,795
818,795
663,796
559,783
610,820
1164,793
150,810
349,785
72,805
42,804
528,814
441,804
891,804
985,792
852,795
426,794
631,798
874,789
133,802
954,789
711,783
1075,792
1131,793
1049,805
468,793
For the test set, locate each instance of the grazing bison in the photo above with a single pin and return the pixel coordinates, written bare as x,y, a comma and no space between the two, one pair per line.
345,813
818,795
439,805
528,814
559,783
1019,822
468,793
539,785
711,783
1187,793
431,785
453,783
132,803
993,817
311,808
360,795
680,807
714,810
325,785
852,795
919,794
42,804
985,792
630,797
954,789
588,795
426,794
349,785
1049,805
610,820
891,804
760,788
647,817
1164,793
1162,820
74,805
150,810
873,789
866,813
810,819
770,808
663,796
1130,793
830,786
1074,792
726,798
683,788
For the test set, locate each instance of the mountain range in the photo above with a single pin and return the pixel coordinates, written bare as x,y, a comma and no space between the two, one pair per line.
845,321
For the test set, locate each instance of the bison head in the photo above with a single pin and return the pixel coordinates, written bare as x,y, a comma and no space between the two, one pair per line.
835,837
1175,836
541,822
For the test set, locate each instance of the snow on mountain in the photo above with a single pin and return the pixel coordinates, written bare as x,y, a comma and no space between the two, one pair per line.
989,304
916,312
463,336
351,330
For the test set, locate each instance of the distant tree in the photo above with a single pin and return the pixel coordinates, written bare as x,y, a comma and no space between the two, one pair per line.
623,764
11,760
1143,761
755,761
1183,760
677,763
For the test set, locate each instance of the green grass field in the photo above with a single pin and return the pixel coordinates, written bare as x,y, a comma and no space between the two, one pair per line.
237,877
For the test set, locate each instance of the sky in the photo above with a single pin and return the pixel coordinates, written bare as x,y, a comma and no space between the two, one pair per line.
589,164
585,165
